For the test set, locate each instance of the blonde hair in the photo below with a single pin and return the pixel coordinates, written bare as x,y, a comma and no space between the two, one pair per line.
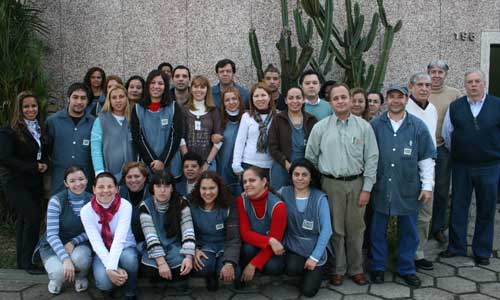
200,80
107,104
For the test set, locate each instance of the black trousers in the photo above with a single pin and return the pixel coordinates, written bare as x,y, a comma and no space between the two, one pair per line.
311,280
26,201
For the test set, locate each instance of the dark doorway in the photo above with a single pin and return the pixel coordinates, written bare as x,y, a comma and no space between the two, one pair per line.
494,84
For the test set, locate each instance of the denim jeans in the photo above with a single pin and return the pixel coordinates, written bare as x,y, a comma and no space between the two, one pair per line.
81,258
274,266
213,265
128,261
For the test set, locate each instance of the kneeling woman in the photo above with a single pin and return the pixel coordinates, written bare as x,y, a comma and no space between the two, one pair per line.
64,249
217,230
168,230
106,219
308,226
262,225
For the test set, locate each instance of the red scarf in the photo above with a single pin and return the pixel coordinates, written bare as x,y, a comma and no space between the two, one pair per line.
154,106
105,216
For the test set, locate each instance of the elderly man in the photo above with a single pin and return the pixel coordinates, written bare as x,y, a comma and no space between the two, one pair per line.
344,149
441,96
419,106
471,131
404,181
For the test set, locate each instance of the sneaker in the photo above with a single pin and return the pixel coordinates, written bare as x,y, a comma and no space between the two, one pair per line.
424,264
54,287
81,285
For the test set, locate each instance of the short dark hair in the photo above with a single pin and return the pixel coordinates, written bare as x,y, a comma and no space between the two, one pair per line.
166,98
223,62
306,73
79,86
165,64
272,69
378,93
73,169
181,67
324,86
336,85
91,71
192,156
136,77
105,174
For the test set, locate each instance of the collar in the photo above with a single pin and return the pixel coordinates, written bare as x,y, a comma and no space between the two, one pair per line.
317,102
478,102
422,106
334,118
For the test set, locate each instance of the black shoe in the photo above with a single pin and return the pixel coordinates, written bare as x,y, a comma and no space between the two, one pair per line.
440,237
447,254
411,280
212,283
483,261
424,264
377,277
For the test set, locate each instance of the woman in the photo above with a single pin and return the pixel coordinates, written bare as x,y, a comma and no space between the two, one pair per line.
231,111
135,89
202,120
308,226
106,219
375,103
288,136
168,229
111,81
95,79
135,190
23,154
111,142
262,217
64,248
157,126
217,230
251,146
359,105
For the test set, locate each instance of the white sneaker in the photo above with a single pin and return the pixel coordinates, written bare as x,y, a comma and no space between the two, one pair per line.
54,287
81,284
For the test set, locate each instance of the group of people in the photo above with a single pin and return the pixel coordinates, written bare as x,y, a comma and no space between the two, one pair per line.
173,180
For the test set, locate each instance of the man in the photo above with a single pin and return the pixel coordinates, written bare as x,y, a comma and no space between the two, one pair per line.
181,78
471,131
309,81
192,165
404,180
225,70
419,106
69,137
344,149
441,96
273,81
166,68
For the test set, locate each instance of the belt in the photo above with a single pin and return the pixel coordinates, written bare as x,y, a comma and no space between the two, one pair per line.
343,178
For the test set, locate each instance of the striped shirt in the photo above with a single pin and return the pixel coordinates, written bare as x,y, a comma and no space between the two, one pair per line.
53,213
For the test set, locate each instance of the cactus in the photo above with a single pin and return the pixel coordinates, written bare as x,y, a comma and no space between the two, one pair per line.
292,64
351,45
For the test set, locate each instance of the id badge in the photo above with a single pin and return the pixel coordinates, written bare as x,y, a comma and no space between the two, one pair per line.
39,155
164,122
86,142
407,151
197,125
308,225
219,226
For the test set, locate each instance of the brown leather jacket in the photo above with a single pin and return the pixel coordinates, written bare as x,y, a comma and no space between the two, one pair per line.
280,135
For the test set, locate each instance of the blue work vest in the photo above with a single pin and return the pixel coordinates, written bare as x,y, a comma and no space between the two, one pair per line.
225,158
398,181
303,228
261,225
210,228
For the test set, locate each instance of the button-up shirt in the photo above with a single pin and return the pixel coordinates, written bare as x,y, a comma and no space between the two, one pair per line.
344,148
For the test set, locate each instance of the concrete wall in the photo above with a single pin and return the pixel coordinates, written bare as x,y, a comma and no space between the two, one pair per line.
128,37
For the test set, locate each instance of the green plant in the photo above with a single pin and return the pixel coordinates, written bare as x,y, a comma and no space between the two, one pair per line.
352,44
292,64
21,52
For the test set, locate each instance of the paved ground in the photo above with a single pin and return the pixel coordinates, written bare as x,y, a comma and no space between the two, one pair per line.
455,279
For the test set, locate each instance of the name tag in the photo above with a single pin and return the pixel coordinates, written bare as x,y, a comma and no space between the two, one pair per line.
407,151
308,225
219,226
164,122
86,142
197,125
39,155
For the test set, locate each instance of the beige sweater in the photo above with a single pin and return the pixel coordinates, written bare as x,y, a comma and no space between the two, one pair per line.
441,98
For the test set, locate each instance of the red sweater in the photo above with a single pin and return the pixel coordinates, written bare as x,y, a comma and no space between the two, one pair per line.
276,230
